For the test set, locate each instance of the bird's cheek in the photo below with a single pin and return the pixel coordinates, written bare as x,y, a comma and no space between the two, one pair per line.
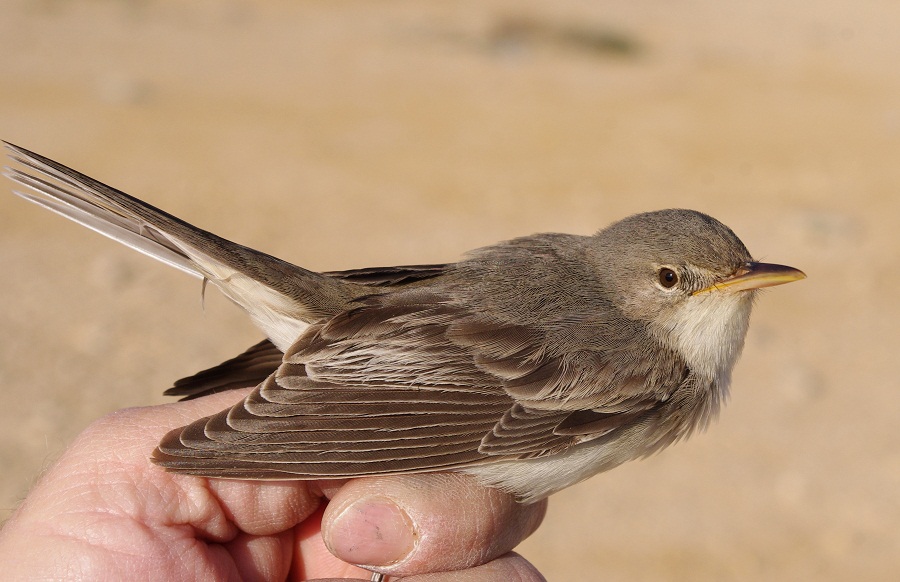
643,305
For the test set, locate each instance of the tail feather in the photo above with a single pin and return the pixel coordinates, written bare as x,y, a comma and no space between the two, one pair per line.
281,298
131,233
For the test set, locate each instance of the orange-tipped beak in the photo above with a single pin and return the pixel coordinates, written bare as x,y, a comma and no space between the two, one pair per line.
756,276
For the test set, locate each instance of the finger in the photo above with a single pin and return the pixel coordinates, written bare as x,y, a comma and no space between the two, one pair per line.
254,507
264,507
415,524
218,509
510,567
261,557
316,559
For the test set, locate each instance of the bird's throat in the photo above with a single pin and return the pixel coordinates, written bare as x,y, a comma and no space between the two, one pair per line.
708,331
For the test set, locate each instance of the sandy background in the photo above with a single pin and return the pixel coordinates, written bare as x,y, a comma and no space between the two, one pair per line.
340,135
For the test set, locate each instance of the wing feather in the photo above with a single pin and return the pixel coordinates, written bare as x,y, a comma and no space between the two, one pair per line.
402,382
247,369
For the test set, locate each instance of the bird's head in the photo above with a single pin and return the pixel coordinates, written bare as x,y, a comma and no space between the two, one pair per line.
690,279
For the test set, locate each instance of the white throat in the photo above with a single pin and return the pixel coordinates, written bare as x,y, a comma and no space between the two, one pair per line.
708,330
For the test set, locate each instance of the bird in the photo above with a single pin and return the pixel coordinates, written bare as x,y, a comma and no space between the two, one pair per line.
531,364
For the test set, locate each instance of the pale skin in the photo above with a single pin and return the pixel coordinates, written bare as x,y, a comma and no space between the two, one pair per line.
104,512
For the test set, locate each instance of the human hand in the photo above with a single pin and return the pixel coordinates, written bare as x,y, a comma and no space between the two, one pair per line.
104,512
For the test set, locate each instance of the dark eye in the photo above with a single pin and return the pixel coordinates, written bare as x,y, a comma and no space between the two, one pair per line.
668,278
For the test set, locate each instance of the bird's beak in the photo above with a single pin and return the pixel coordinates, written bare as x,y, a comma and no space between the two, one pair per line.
755,276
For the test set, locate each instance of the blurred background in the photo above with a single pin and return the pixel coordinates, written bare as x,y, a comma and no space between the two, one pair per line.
341,135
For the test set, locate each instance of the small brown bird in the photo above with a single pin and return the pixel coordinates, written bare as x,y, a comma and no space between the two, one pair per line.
531,364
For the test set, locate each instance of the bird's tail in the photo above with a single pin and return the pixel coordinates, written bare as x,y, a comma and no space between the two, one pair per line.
280,297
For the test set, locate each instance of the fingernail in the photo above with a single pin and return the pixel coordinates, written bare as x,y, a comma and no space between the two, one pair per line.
374,531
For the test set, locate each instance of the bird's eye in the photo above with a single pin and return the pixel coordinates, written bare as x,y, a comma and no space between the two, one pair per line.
668,278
